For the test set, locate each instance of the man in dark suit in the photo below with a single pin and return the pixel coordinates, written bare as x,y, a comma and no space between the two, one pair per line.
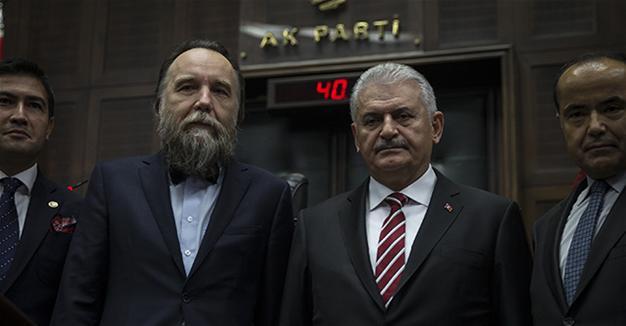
580,261
188,236
409,246
37,217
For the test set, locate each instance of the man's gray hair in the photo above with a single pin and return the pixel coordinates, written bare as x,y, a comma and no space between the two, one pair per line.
389,73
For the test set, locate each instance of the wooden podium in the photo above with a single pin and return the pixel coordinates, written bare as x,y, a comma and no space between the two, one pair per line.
10,315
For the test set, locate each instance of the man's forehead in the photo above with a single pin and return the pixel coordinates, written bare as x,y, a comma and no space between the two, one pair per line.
23,84
602,68
200,60
380,95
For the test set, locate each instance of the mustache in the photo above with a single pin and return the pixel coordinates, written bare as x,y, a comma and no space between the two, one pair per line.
199,117
382,144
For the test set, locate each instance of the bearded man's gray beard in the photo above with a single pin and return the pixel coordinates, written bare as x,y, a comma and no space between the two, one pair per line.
196,150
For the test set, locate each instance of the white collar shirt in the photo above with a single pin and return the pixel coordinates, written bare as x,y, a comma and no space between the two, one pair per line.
419,193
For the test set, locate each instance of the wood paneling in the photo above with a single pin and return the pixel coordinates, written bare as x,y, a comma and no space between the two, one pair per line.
554,24
131,39
55,34
120,124
63,157
467,22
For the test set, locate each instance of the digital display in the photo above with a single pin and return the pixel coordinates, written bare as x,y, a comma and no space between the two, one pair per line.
312,90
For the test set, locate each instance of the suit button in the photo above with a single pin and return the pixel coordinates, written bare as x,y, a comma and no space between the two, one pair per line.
569,321
186,298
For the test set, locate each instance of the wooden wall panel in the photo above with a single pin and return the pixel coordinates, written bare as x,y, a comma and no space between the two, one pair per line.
126,127
554,24
467,22
120,123
545,158
55,34
132,38
215,20
62,160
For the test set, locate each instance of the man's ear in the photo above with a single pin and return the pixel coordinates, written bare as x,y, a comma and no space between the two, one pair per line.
50,127
437,124
354,133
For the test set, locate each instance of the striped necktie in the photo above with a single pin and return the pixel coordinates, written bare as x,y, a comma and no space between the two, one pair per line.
9,229
390,258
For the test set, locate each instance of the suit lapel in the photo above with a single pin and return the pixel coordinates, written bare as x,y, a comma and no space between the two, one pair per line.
352,221
155,182
611,231
443,209
553,235
234,187
36,226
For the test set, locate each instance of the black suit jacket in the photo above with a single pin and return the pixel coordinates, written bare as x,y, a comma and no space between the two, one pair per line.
601,297
125,265
468,266
33,279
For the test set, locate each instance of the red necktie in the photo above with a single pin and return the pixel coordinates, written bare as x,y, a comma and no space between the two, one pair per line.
390,254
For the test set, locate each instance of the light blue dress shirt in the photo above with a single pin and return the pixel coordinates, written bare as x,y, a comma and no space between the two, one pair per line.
193,201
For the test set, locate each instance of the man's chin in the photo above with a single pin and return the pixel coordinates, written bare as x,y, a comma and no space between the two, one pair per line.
602,168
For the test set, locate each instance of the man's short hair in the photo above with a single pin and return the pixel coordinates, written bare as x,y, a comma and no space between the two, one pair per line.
23,67
584,58
388,73
201,44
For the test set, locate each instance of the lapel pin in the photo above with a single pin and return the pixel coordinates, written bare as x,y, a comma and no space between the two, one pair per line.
53,204
448,207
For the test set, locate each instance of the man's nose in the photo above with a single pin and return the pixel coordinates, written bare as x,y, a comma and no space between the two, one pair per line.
596,123
204,101
389,127
19,113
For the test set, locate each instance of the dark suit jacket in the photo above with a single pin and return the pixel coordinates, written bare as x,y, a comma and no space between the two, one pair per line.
33,279
125,265
468,266
601,298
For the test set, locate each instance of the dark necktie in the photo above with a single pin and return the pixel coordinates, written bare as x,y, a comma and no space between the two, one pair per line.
581,241
390,258
9,229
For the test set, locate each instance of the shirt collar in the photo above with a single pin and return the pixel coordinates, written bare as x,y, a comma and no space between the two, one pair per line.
27,177
616,182
419,191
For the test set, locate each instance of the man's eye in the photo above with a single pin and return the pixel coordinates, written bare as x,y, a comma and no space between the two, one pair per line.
613,109
185,88
36,106
221,91
370,121
575,115
5,101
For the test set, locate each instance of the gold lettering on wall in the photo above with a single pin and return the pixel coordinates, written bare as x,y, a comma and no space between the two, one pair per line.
320,32
395,27
361,30
289,36
380,26
340,33
269,39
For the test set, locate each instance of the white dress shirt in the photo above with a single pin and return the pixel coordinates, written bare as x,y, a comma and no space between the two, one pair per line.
419,193
22,194
193,201
616,186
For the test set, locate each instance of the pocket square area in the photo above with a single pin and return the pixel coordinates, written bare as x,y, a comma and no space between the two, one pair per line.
64,224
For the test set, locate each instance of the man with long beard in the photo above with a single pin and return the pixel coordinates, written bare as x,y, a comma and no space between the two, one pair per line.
188,236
